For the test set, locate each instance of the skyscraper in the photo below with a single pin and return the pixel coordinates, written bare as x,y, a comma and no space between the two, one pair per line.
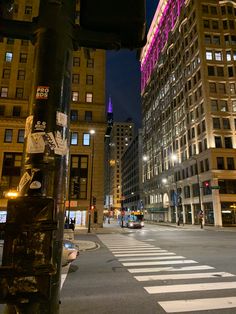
189,112
87,113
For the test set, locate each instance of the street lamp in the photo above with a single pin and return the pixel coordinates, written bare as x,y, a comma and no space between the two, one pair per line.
92,132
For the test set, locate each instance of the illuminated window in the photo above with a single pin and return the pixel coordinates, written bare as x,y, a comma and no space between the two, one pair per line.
74,138
218,56
86,139
8,56
89,97
228,56
209,55
75,96
4,92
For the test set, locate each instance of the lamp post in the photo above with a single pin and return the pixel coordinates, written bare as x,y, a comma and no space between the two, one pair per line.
199,190
92,132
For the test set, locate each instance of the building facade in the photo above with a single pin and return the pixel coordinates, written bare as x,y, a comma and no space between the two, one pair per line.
121,135
189,112
131,171
87,113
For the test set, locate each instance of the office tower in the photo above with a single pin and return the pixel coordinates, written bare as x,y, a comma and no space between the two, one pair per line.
189,112
87,113
121,135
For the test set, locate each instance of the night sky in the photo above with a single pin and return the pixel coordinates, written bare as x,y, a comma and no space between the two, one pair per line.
123,78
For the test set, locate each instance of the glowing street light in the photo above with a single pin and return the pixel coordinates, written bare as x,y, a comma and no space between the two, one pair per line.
11,194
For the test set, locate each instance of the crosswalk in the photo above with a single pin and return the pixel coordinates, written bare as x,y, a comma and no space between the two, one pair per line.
163,273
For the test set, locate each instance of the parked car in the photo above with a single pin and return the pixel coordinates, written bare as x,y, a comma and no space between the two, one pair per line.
70,252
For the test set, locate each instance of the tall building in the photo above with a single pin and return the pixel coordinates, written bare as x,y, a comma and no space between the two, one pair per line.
131,171
189,112
121,135
87,113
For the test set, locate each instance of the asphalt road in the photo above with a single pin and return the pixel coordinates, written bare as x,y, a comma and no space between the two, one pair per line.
157,269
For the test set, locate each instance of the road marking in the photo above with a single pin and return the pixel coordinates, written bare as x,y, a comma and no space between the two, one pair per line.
133,247
180,306
139,251
160,269
191,287
149,240
150,258
184,276
64,274
186,261
160,252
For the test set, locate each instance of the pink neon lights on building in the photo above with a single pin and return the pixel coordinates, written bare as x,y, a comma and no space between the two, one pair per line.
163,22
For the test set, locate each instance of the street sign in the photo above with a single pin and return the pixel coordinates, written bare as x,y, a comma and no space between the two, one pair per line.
216,187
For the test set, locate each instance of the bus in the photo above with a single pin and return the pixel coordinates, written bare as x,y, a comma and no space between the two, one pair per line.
132,219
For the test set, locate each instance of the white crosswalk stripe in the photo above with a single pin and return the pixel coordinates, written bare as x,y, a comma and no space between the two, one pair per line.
181,306
163,266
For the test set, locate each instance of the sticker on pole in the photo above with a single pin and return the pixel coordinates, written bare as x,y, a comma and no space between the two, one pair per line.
35,143
42,92
61,119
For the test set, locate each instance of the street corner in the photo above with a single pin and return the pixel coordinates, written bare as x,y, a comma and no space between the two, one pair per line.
86,245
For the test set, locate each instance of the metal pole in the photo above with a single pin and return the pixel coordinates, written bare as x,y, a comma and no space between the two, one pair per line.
47,141
199,187
91,185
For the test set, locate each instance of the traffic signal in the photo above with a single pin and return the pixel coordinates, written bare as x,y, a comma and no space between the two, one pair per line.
123,22
207,187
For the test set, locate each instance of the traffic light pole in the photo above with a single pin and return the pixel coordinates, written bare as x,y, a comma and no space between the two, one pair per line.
45,163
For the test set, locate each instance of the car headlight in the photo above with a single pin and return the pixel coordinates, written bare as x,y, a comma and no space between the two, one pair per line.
142,223
131,224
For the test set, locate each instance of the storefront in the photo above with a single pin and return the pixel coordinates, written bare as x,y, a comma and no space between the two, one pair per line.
228,211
